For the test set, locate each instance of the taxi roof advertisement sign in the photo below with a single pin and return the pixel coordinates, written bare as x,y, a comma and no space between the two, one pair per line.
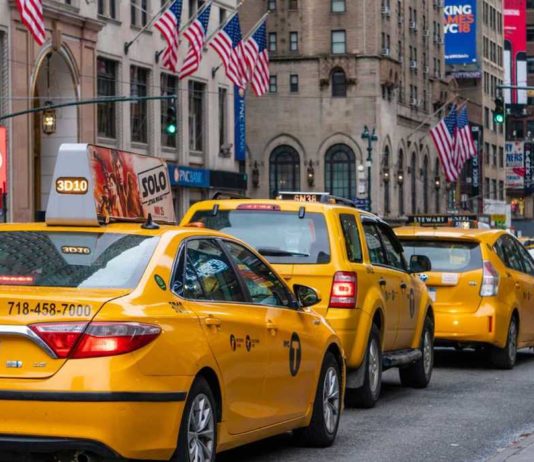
94,184
515,50
459,26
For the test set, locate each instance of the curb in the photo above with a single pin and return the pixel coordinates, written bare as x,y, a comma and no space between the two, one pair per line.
521,450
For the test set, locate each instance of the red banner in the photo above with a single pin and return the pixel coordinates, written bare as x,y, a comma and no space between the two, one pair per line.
3,160
515,50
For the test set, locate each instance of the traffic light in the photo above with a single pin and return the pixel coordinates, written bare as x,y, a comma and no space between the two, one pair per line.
498,113
170,120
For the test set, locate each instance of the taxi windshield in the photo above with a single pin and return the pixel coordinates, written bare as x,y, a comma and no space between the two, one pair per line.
446,256
281,237
68,259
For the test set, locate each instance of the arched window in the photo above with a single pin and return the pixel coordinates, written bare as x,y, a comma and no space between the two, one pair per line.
413,179
284,170
386,178
340,171
426,192
339,83
400,181
437,184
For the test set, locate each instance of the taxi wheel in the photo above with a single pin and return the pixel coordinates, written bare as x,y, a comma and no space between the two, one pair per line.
504,358
418,374
324,423
197,440
367,395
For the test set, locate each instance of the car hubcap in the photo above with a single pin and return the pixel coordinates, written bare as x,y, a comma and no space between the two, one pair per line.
374,366
512,342
427,353
200,430
331,400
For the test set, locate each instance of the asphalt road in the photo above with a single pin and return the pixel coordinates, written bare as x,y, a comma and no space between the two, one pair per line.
467,414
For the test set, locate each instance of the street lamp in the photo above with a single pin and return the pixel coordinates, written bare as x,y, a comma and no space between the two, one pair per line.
370,137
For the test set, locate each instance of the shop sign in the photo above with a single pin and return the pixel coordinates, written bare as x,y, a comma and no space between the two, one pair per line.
188,177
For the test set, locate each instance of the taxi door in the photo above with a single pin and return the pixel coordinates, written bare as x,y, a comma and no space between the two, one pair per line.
386,279
404,294
295,355
525,279
206,283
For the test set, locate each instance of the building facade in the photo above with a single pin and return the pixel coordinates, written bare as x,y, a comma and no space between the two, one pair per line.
336,67
84,57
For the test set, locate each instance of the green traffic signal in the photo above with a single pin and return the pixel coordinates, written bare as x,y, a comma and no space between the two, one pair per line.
498,113
170,120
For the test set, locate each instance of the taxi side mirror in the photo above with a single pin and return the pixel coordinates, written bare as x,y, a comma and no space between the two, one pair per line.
306,296
420,264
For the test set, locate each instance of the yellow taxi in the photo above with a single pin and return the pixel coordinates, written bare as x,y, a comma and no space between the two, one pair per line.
151,341
482,285
370,296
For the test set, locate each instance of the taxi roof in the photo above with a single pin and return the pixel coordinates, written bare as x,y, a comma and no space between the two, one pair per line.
448,233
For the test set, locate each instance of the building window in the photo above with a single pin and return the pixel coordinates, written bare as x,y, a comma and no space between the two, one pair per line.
494,155
169,86
3,73
294,83
293,4
530,64
223,116
222,15
106,86
437,176
530,34
340,171
413,178
293,41
284,170
339,83
139,109
272,41
386,176
197,92
338,6
107,8
486,153
486,188
273,84
426,192
493,189
400,180
501,190
501,156
139,12
271,5
339,41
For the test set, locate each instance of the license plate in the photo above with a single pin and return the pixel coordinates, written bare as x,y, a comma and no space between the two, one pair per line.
432,293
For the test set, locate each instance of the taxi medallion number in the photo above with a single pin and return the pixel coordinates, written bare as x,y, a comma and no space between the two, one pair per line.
48,309
72,185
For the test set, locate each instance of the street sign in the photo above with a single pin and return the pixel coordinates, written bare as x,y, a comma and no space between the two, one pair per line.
362,204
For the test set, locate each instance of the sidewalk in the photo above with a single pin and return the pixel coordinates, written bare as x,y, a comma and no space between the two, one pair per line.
521,450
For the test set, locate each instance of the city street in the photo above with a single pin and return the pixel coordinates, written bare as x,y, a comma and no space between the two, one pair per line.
467,414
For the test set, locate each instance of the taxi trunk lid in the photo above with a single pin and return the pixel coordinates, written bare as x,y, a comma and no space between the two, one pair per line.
454,283
24,351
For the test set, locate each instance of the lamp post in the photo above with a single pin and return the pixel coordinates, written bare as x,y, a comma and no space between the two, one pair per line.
370,137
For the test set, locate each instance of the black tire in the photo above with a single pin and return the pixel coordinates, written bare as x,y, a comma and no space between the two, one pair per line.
199,390
322,430
505,358
418,374
367,395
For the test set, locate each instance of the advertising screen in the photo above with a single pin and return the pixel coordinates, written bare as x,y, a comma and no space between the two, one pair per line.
515,50
459,27
515,165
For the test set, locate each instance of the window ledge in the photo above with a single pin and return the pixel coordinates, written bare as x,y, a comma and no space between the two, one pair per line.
107,141
139,145
109,19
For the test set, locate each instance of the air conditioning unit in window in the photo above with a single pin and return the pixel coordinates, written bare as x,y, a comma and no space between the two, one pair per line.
386,11
413,64
386,52
426,70
413,26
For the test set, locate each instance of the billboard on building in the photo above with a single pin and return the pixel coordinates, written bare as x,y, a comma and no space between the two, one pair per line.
460,32
515,164
515,50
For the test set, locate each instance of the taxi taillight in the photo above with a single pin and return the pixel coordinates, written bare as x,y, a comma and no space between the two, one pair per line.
490,280
344,290
75,340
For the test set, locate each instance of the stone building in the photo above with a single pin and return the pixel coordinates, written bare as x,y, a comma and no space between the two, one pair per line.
338,66
84,57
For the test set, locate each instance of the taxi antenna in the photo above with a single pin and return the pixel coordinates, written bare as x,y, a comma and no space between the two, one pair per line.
149,223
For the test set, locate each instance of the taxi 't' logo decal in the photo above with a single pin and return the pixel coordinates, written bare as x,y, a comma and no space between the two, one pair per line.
295,354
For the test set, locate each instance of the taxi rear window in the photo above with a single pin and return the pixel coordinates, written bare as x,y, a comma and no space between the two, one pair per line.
446,256
281,237
67,259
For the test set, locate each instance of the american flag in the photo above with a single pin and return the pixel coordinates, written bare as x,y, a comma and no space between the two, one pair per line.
228,43
258,60
444,137
195,35
169,25
465,144
31,14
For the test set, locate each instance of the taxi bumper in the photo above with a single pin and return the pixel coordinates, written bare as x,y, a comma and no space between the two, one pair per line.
488,324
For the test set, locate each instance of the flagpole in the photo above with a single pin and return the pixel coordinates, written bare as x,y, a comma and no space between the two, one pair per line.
127,45
223,25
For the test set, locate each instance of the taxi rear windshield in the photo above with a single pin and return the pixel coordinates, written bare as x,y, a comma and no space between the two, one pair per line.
281,237
65,259
446,256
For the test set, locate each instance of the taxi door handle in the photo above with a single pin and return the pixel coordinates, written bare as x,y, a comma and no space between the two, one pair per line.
382,282
403,285
213,322
271,327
